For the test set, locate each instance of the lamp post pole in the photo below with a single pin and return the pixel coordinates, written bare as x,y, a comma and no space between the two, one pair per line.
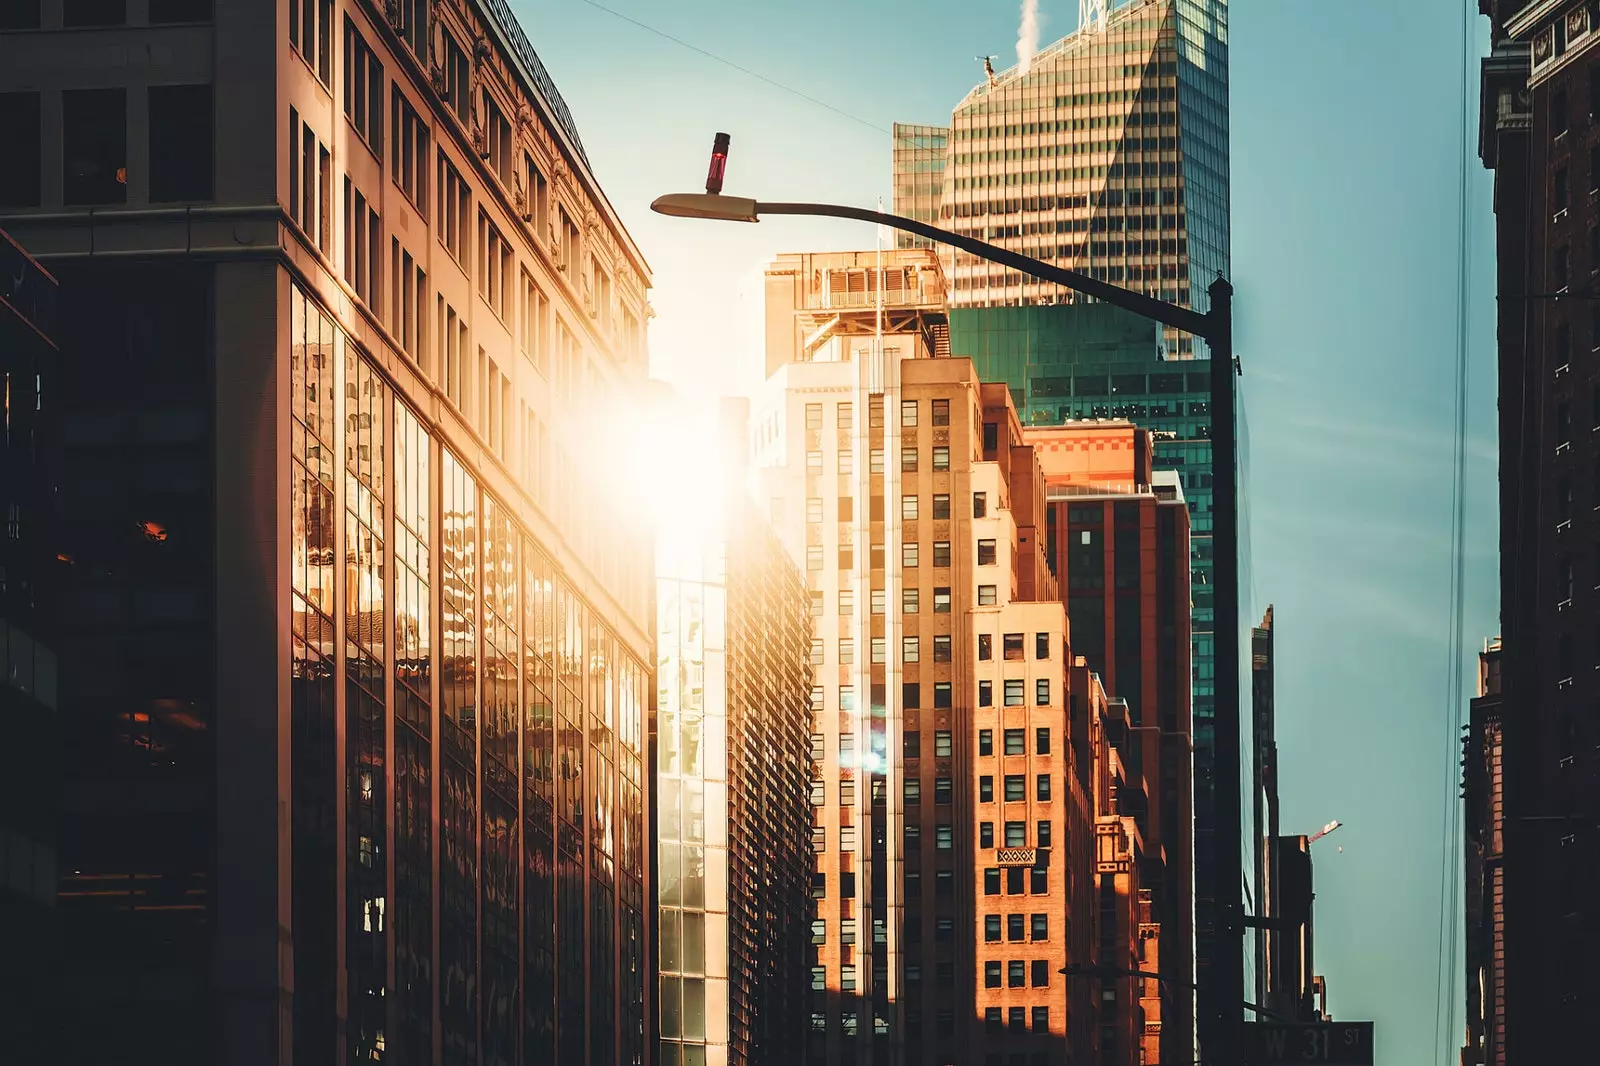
1219,1020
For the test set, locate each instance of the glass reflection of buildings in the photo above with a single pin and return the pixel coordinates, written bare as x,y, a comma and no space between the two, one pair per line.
734,682
1110,157
356,650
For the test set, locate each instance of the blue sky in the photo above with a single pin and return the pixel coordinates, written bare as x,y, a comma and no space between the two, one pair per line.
1345,125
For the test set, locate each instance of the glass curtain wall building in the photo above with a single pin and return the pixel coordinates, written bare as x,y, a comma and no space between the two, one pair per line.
355,644
734,724
1110,157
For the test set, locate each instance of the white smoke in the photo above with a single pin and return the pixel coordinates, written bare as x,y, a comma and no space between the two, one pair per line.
1027,36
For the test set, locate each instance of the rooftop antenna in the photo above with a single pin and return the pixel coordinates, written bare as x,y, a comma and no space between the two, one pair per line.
1092,15
988,67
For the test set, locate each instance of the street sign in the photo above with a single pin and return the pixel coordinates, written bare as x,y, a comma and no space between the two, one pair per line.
1328,1043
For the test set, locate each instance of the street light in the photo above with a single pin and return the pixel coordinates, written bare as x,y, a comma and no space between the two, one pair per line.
1221,1022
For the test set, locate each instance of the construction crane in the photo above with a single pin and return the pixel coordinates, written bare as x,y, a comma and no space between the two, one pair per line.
1324,831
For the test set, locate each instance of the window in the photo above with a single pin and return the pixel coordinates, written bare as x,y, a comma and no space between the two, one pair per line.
941,412
879,600
1041,740
1041,645
408,300
941,554
911,744
535,334
847,749
1041,788
987,595
1041,973
941,790
909,600
985,834
986,552
911,695
94,146
991,922
908,459
813,509
847,462
1016,928
991,881
941,457
1016,834
816,597
941,600
20,132
1016,788
363,244
944,837
847,652
535,198
497,139
908,414
409,151
943,743
875,461
181,151
818,746
1042,834
908,554
910,649
847,978
941,506
819,838
818,792
1016,973
985,742
1012,647
991,436
1016,742
816,699
80,13
980,505
1013,692
1038,879
495,265
913,790
454,345
908,508
985,646
941,648
985,789
879,644
985,693
1015,880
847,602
941,695
1041,692
1041,927
847,698
991,979
1559,194
455,206
814,558
814,463
363,89
311,34
1563,267
813,416
457,77
875,412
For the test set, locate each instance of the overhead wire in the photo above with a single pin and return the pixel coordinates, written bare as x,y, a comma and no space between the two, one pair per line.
1450,872
792,91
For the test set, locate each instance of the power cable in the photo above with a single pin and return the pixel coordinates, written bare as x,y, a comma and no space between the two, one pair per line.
730,63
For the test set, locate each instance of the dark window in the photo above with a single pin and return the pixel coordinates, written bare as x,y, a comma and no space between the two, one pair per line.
941,412
941,790
985,694
941,553
986,552
94,13
941,695
991,881
980,505
180,143
985,742
1016,975
1016,788
94,146
908,460
985,646
991,979
1041,740
941,600
20,15
1016,927
1041,692
1563,267
1042,787
1012,646
985,834
991,436
1041,645
169,11
911,695
1015,880
819,886
986,789
1041,927
1016,834
1041,973
991,927
1559,196
1040,878
19,132
913,744
1041,1019
941,505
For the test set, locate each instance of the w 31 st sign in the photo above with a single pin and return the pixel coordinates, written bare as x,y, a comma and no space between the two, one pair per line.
1327,1043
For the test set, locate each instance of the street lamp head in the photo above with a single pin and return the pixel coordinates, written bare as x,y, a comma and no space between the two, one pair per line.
706,205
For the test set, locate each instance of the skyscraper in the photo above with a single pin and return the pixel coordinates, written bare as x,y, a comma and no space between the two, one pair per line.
1540,135
1110,157
734,729
356,646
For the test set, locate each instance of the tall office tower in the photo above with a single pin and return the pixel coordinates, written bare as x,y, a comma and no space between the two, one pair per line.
1541,137
1483,792
939,729
734,731
29,684
1117,537
356,649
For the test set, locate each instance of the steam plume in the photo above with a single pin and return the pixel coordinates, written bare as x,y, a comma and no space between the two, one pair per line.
1027,36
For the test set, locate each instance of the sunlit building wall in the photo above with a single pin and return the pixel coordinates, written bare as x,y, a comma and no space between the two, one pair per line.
360,767
734,723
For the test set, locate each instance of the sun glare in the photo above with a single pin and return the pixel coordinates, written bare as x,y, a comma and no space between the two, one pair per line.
678,469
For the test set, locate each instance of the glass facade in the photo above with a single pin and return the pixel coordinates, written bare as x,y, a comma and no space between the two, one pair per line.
539,713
